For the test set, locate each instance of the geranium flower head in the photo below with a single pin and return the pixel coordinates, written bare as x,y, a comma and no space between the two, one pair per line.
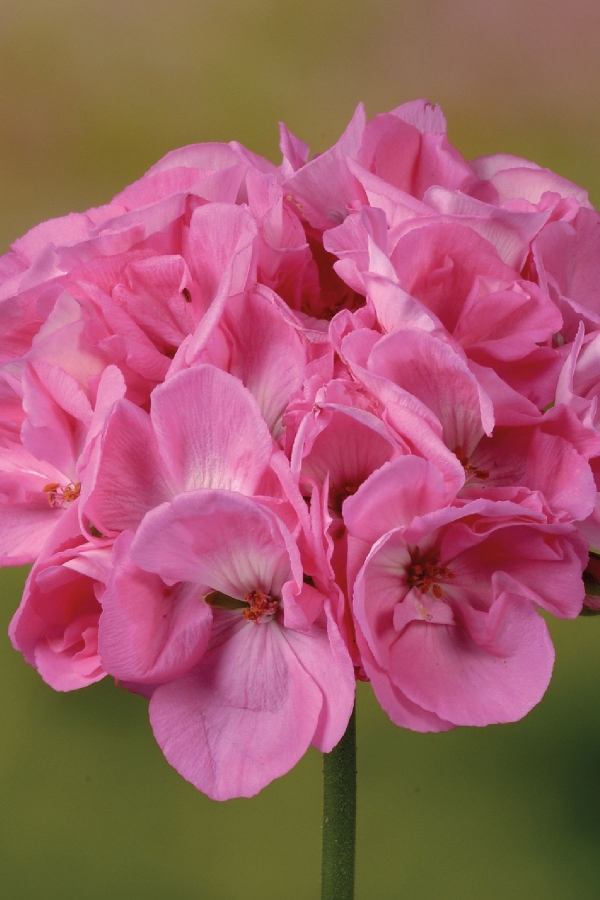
269,428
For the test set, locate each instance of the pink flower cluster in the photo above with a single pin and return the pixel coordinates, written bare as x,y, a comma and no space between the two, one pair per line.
267,429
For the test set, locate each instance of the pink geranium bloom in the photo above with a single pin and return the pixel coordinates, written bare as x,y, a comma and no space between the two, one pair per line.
445,600
275,676
543,457
430,369
463,281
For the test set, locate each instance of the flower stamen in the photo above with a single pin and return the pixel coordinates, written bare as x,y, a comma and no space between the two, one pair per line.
425,575
260,607
465,461
60,497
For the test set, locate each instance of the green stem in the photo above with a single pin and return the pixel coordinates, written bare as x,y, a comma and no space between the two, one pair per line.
339,817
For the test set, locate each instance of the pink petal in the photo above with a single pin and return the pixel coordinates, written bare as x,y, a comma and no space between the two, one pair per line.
58,415
219,539
153,296
294,151
393,496
325,658
423,115
259,337
210,431
498,677
348,449
56,625
27,519
243,717
221,235
509,231
149,632
324,186
430,369
131,476
400,709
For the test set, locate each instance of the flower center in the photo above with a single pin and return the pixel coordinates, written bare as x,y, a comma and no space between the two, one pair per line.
256,605
337,495
425,574
61,497
260,607
465,461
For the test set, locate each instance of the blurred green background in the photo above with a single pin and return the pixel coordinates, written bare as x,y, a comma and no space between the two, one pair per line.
92,92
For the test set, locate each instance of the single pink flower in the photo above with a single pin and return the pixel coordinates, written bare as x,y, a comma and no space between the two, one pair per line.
275,676
445,601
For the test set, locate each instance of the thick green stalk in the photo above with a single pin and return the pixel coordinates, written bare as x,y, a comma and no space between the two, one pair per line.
339,817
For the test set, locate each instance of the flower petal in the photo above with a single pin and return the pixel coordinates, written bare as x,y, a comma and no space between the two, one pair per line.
243,717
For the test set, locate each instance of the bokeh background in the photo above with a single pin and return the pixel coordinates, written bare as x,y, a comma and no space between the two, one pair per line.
92,92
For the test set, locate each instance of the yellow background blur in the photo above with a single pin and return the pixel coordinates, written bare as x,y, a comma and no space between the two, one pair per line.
92,92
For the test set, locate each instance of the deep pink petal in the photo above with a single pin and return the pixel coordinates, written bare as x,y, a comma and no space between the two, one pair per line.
56,625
